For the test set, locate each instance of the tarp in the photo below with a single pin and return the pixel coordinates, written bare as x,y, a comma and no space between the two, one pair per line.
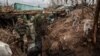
19,6
5,49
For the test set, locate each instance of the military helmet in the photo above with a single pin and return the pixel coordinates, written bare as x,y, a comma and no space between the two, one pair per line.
20,20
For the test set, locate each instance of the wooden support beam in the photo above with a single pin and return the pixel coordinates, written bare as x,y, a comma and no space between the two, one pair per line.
96,17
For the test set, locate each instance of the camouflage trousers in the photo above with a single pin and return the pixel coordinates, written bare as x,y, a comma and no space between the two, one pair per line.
21,43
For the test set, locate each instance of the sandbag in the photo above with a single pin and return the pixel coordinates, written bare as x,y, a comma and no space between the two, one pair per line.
5,49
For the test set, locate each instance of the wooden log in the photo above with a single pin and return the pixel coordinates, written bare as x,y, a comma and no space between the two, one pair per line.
96,17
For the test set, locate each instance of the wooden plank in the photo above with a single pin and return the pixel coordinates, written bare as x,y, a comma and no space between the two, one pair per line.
96,17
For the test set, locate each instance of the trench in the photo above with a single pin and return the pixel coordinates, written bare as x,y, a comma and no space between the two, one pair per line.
7,20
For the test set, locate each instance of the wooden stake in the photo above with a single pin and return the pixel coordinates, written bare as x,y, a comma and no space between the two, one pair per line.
96,17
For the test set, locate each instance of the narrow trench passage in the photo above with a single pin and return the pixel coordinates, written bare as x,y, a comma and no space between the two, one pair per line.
7,21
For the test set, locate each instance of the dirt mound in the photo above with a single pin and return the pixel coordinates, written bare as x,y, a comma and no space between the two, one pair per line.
5,36
69,33
10,38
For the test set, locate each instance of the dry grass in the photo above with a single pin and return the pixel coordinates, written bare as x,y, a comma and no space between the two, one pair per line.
69,36
10,38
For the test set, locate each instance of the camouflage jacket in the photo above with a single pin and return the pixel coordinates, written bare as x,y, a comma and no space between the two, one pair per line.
21,28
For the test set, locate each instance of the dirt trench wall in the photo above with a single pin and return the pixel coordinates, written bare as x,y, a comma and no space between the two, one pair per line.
7,20
65,39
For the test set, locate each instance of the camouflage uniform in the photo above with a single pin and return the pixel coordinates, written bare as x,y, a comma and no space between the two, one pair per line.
31,29
21,29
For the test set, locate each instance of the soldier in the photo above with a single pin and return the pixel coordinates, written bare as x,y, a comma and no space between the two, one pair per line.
32,33
31,28
21,29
